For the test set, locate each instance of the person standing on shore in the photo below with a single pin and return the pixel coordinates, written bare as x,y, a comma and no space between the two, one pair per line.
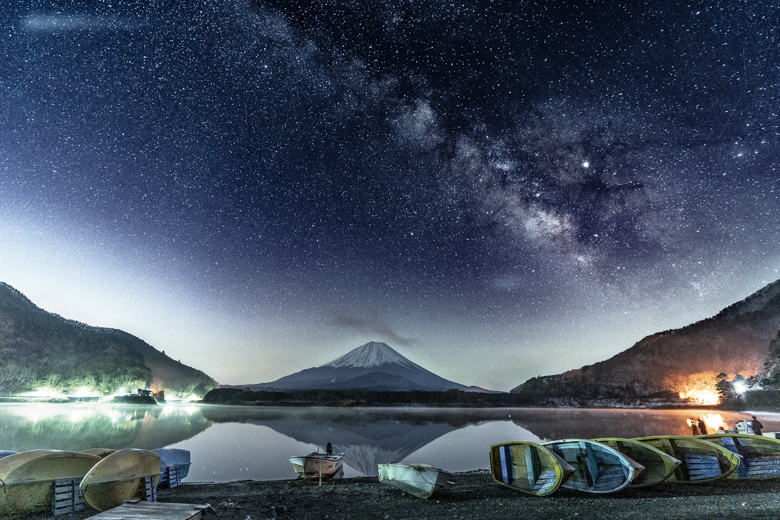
756,426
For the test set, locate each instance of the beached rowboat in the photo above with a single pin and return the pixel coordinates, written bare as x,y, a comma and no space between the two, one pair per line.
28,478
528,467
702,461
120,476
760,455
420,480
315,465
175,465
597,467
658,465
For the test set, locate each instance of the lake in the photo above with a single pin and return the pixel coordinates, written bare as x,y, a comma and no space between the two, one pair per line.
230,443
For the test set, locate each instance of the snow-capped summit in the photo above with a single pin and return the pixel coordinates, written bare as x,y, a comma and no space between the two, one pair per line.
372,354
373,366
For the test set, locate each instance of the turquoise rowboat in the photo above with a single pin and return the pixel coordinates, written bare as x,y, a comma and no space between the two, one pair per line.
597,467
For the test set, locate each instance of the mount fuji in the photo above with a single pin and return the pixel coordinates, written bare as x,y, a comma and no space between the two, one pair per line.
373,366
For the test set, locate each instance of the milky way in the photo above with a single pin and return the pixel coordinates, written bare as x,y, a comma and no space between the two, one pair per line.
497,189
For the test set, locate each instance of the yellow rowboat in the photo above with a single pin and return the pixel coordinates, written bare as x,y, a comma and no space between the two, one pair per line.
658,465
528,467
702,461
420,480
120,476
760,455
597,467
28,477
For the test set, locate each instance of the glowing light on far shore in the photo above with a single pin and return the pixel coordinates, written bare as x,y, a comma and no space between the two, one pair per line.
85,392
701,396
740,387
43,391
187,399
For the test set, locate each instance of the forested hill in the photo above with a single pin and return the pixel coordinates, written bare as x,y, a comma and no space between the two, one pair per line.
38,348
735,341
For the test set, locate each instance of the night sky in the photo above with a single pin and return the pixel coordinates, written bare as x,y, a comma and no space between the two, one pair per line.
496,189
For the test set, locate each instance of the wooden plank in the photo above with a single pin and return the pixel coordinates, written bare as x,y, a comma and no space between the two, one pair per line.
171,477
164,476
176,476
507,466
67,496
141,510
150,492
532,464
545,480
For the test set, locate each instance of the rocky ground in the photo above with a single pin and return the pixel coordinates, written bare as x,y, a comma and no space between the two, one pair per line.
472,496
475,496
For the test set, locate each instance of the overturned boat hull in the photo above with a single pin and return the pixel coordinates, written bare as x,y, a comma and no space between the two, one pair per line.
120,476
420,480
28,477
174,466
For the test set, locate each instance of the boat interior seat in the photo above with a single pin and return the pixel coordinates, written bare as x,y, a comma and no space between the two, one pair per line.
702,467
546,480
610,477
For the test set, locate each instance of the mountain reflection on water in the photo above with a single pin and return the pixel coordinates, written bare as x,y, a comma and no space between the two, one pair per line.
236,443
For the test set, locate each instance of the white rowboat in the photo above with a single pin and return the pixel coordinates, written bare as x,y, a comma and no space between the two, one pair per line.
319,465
420,480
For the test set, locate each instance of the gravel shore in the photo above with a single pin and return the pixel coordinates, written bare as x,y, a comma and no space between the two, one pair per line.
475,496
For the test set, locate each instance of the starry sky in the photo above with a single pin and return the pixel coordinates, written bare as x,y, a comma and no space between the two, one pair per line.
496,189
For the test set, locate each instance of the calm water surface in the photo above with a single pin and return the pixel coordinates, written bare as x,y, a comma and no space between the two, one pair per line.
237,443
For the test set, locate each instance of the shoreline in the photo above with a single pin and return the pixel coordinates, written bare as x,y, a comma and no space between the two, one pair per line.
408,405
473,495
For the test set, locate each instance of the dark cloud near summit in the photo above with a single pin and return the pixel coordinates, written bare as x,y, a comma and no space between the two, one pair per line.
371,327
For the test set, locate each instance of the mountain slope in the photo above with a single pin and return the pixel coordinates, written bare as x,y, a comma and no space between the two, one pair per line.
373,366
38,348
735,341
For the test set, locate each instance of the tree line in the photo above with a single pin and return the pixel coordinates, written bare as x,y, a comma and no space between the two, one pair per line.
360,397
